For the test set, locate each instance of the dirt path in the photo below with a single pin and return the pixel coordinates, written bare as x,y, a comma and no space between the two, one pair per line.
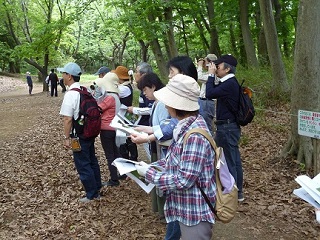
39,187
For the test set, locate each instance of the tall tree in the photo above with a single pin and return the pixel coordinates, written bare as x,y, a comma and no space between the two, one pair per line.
306,83
280,82
246,34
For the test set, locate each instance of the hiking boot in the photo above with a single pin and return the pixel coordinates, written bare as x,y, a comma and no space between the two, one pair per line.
111,183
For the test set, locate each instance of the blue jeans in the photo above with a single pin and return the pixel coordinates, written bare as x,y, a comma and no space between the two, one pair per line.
173,231
88,168
207,111
227,136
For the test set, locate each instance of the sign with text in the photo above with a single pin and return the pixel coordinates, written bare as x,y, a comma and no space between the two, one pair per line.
309,124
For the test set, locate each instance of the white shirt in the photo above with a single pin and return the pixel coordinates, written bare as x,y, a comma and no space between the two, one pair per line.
124,91
225,78
202,78
71,102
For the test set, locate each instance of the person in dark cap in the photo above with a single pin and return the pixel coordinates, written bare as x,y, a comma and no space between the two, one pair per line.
94,89
228,130
102,71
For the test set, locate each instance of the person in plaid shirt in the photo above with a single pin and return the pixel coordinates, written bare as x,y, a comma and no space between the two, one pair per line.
185,165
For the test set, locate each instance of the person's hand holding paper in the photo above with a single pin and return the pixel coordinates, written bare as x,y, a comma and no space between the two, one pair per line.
142,168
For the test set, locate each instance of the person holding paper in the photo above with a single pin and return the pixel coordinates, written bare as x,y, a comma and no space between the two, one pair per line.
128,149
185,166
149,83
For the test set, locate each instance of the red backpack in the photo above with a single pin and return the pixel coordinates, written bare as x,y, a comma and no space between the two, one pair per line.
88,124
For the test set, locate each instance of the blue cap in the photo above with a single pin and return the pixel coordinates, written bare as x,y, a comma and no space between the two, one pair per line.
102,70
71,68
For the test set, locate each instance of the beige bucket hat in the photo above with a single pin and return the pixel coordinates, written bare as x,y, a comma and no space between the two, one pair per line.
181,92
109,82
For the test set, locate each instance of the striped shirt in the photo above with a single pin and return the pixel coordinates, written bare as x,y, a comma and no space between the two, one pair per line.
184,166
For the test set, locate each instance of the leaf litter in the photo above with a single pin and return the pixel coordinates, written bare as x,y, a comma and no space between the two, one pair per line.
40,189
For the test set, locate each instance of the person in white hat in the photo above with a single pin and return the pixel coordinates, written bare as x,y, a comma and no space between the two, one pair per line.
110,105
86,162
207,105
185,165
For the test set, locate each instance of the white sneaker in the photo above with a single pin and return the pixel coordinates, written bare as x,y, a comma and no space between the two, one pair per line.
84,200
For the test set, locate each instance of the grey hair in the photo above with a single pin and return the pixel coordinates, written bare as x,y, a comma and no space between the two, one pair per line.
144,68
232,68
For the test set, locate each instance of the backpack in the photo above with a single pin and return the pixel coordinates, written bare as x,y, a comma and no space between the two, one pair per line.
88,124
246,109
246,112
226,203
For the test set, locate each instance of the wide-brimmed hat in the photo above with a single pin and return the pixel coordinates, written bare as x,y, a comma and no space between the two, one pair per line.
122,72
71,68
109,82
102,70
228,58
181,92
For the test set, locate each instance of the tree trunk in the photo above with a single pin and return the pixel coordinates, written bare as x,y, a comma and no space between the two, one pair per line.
306,83
280,83
161,63
144,50
214,43
173,51
246,34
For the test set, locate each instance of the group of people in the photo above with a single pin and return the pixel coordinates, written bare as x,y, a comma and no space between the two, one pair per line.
168,113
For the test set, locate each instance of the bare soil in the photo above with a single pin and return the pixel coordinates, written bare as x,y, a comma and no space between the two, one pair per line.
39,186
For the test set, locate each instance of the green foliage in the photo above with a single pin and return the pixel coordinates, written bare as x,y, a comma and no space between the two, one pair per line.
260,81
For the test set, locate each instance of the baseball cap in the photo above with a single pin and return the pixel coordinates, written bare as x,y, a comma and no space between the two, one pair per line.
228,58
102,70
71,68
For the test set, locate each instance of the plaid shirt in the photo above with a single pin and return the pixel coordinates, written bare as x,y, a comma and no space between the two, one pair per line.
184,166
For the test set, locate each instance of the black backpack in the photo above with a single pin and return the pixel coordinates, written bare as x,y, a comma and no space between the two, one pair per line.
88,124
246,112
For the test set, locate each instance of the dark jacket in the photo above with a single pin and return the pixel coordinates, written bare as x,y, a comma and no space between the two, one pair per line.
227,95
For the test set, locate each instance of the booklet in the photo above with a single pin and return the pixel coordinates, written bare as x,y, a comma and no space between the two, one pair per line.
303,194
311,186
128,167
119,124
128,118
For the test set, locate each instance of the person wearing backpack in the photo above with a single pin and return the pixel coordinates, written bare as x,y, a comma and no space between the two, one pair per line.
185,165
84,156
228,130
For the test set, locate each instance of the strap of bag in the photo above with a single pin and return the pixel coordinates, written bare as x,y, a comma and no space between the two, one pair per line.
217,154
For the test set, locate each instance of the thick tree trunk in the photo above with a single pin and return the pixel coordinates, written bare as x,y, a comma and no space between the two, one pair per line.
246,34
306,83
280,83
161,63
